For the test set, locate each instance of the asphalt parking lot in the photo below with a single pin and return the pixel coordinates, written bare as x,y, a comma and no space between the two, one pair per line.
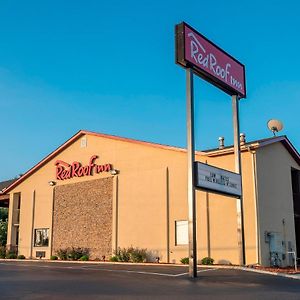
44,280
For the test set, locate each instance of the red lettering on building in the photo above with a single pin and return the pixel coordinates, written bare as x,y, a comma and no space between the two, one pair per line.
75,166
67,171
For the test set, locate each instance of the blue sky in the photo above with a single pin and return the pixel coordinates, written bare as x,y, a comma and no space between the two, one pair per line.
108,66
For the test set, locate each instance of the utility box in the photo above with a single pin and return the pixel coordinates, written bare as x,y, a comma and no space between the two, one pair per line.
276,249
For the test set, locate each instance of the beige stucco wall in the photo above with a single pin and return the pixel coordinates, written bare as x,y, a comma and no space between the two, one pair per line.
149,195
275,196
226,212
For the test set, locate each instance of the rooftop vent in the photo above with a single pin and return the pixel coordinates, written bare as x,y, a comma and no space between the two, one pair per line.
242,139
221,142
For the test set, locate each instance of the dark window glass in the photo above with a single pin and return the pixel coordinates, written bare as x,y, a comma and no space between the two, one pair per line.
41,237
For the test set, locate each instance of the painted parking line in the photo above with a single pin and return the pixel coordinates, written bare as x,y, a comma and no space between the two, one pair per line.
147,273
105,269
131,271
198,271
92,269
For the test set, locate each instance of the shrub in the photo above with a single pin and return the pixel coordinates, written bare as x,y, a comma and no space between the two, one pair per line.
114,258
11,255
54,257
2,252
84,258
130,254
207,261
21,256
77,253
123,255
62,254
72,253
185,260
3,232
137,255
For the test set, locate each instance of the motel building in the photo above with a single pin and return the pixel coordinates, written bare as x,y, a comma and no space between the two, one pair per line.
102,192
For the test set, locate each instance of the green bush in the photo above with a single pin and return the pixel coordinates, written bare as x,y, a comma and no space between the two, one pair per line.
54,257
207,261
77,253
11,255
130,254
185,260
72,253
2,252
84,258
3,225
138,255
114,258
62,254
21,256
123,255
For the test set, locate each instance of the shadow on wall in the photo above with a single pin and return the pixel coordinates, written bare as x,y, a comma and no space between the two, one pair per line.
154,256
224,262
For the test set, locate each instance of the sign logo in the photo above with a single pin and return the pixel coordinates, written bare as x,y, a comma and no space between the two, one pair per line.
66,171
209,61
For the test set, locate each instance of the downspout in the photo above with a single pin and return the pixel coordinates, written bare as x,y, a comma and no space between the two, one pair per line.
256,204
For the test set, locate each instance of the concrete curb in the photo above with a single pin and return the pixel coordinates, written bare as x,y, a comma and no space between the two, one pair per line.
293,276
93,262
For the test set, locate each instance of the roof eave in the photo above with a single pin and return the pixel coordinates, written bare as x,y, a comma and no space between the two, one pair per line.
44,161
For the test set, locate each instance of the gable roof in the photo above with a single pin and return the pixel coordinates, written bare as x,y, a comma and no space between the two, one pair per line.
74,138
259,144
6,183
213,152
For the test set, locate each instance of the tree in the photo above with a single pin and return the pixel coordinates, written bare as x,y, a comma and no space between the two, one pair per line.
3,226
3,213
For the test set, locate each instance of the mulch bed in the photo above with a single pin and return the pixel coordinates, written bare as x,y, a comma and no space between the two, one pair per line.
287,270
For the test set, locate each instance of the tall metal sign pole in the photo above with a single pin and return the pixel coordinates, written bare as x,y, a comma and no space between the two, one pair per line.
191,186
238,170
201,57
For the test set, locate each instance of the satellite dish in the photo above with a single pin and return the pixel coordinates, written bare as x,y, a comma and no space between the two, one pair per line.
275,126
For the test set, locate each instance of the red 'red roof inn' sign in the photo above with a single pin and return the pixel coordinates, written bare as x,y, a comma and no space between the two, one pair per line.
207,60
65,170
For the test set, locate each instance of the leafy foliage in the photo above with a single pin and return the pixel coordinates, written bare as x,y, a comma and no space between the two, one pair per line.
77,253
114,258
3,226
84,258
11,255
62,254
72,253
2,251
207,261
185,260
130,254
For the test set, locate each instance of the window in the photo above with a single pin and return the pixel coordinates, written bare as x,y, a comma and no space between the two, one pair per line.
182,236
41,237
